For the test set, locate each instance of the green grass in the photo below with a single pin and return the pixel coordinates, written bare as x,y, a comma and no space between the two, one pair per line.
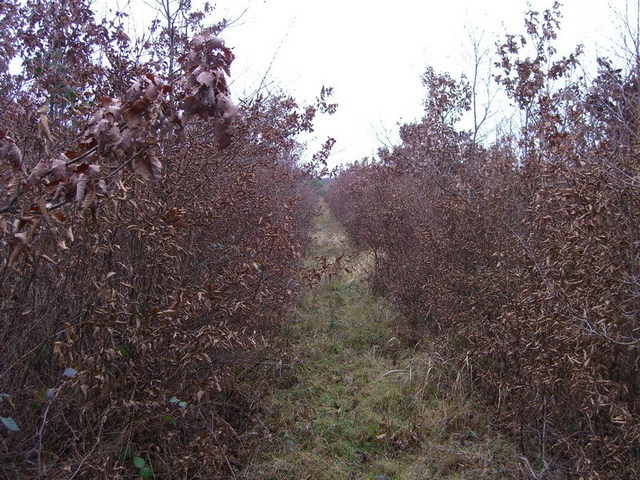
361,405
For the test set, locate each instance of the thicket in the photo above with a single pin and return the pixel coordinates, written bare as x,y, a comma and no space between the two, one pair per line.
151,232
522,255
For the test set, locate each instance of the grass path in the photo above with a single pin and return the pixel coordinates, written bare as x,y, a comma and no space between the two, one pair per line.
358,403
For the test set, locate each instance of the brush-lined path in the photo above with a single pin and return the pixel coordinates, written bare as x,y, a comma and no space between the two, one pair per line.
355,402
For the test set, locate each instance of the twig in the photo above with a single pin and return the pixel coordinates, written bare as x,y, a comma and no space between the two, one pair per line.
41,433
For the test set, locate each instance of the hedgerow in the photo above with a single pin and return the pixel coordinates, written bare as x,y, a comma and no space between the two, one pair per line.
151,231
522,255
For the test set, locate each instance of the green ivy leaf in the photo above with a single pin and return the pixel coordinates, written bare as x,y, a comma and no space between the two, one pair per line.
146,473
174,399
139,462
10,423
183,404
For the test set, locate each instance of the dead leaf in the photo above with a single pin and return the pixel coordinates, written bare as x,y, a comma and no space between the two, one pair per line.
43,127
81,186
38,172
20,245
148,166
10,153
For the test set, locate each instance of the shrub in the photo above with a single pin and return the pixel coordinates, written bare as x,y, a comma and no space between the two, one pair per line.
522,253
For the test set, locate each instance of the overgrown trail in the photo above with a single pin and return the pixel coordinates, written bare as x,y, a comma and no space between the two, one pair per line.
356,402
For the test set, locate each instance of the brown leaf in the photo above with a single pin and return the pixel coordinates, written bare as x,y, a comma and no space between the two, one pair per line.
81,186
10,153
206,78
107,134
44,129
20,244
88,199
39,171
148,166
13,185
58,215
59,168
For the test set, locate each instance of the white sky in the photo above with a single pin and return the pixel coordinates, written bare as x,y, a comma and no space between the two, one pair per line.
373,52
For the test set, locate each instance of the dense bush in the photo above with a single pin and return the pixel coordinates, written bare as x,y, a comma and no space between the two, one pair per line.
152,234
522,254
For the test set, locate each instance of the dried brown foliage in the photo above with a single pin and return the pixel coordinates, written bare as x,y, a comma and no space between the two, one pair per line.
524,253
151,239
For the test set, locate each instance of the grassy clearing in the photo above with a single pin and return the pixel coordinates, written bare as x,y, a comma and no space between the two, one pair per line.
360,404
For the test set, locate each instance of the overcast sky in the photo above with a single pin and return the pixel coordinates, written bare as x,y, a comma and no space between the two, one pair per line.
373,52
